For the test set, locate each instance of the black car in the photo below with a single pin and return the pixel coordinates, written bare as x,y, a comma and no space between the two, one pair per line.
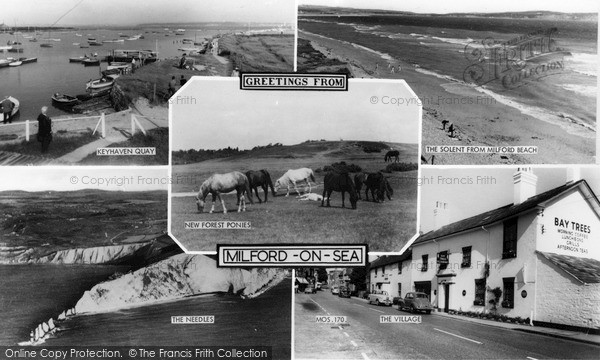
344,292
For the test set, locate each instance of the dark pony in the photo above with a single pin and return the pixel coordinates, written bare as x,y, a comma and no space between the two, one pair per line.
359,180
340,182
378,184
392,154
260,178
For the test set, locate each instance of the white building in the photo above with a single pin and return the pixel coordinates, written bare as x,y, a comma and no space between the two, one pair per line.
542,251
391,274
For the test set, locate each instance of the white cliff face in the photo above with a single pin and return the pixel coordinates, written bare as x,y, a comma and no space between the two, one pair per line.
87,256
93,255
173,278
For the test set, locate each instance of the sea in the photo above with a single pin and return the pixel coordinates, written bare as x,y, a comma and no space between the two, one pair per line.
33,84
436,46
34,293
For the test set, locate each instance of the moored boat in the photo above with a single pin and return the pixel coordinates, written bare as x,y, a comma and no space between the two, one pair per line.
46,45
16,105
64,99
28,60
94,43
100,84
16,63
90,62
77,59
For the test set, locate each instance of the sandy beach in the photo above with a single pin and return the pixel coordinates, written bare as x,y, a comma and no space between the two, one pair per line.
479,118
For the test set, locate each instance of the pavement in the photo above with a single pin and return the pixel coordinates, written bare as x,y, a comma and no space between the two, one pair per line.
365,336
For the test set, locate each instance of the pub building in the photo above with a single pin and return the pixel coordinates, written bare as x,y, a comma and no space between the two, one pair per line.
542,251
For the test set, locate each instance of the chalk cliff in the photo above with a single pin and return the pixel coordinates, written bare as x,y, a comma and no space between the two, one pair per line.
177,277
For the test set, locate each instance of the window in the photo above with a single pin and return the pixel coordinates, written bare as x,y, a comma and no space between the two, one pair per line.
442,259
400,268
424,265
466,258
479,292
509,245
509,293
383,271
375,272
400,289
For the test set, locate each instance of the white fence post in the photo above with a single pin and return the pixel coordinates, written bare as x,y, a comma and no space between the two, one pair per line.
103,125
135,121
26,130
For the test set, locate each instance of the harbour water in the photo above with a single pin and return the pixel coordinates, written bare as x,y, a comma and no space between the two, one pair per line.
33,84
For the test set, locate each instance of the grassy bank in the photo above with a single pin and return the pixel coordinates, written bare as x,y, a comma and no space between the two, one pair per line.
314,61
62,144
266,53
152,81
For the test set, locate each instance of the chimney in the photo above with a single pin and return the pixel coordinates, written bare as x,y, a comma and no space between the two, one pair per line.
525,183
573,174
440,215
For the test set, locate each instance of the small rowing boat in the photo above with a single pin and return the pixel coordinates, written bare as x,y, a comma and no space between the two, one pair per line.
90,62
100,84
64,100
16,63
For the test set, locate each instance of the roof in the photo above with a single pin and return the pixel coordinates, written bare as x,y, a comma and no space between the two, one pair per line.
390,259
499,214
585,270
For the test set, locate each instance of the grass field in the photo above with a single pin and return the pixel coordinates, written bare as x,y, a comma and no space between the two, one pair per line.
50,221
384,226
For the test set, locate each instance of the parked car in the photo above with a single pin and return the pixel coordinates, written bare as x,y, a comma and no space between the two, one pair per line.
416,301
380,297
335,290
396,300
318,286
309,289
344,292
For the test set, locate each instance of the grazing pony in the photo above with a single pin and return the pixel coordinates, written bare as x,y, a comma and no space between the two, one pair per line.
359,180
293,176
224,183
260,178
392,154
377,183
341,182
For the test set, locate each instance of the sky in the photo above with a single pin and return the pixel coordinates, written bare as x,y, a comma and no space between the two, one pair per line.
222,115
472,199
462,6
42,178
133,12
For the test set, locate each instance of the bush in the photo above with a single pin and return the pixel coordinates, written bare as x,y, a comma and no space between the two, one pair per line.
401,167
341,167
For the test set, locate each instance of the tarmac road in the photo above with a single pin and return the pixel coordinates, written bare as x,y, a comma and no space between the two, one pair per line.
436,337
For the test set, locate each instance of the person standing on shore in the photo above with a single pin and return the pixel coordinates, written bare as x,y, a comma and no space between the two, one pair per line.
183,61
172,86
44,135
182,81
7,108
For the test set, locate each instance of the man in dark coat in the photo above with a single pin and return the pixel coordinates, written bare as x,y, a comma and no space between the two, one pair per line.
44,129
7,108
183,61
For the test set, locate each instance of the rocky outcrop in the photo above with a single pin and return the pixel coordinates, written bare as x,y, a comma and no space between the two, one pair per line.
174,278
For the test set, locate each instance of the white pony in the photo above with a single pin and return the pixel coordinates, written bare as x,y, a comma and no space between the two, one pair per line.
294,176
